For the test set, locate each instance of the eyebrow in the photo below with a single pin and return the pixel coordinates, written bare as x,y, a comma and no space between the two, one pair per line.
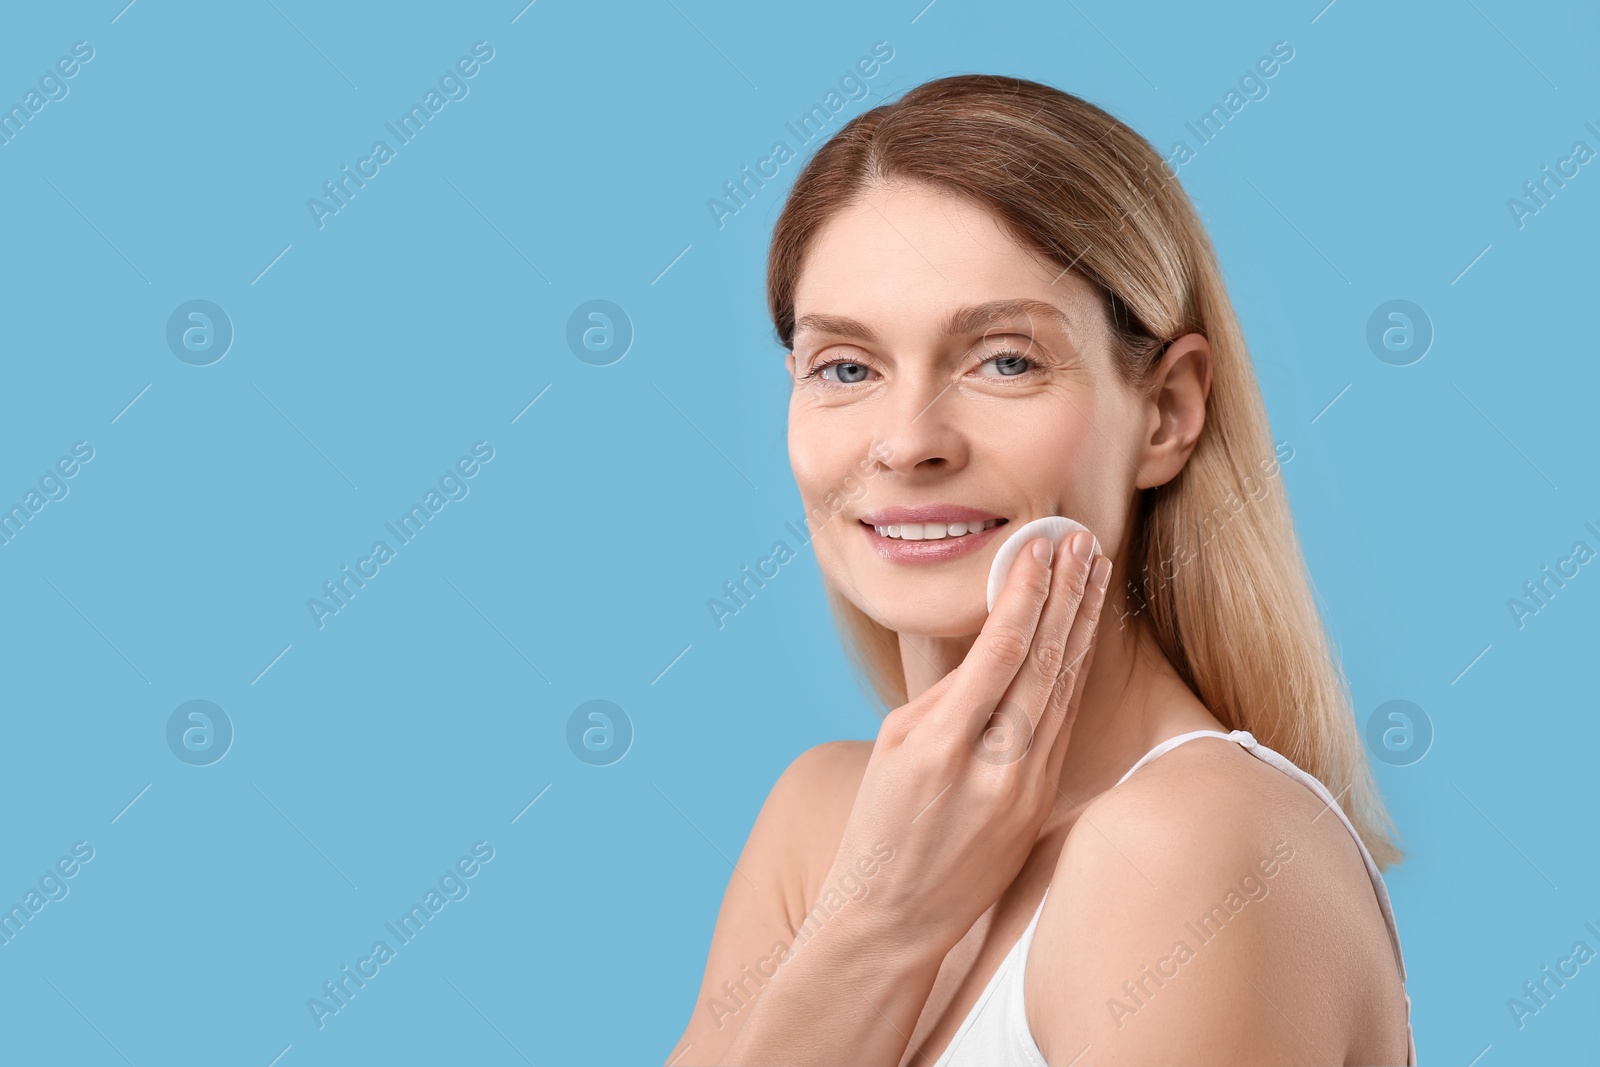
962,321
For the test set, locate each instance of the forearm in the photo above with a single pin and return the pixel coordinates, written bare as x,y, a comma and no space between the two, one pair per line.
842,995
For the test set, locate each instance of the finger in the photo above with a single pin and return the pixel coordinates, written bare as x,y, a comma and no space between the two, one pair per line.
1003,644
1031,688
1056,729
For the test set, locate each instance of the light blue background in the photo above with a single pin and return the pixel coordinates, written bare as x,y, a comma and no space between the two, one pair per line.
431,310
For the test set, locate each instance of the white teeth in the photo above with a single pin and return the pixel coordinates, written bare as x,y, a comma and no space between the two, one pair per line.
933,531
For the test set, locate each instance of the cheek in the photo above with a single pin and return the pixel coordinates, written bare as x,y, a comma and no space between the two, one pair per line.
1078,463
826,462
824,465
1060,452
813,460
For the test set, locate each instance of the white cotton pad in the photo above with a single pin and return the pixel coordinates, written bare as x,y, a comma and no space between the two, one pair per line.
1055,527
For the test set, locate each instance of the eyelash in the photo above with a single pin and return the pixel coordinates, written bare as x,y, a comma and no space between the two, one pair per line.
814,372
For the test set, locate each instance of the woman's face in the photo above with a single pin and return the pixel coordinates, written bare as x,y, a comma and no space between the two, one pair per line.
1013,414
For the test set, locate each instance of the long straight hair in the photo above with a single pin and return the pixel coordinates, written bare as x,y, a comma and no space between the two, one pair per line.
1215,568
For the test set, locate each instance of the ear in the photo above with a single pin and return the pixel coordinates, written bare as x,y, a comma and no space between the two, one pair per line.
1175,409
789,362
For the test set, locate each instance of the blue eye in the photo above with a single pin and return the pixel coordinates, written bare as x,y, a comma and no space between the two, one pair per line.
847,373
1009,364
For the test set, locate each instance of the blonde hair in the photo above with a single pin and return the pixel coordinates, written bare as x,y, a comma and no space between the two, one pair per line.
1236,618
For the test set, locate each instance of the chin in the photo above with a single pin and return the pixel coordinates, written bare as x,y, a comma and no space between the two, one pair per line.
924,615
920,628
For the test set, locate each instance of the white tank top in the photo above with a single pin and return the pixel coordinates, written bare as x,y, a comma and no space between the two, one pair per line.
996,1034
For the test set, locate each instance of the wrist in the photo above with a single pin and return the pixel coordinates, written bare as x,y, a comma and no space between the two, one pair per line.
864,907
838,995
856,937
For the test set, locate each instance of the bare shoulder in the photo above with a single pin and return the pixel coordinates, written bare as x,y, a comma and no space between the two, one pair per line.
1212,904
832,763
802,820
825,776
813,796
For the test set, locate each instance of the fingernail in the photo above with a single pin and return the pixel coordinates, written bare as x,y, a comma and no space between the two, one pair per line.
1043,549
1082,545
1101,573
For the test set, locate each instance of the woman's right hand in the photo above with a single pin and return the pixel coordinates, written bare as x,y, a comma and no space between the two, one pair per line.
963,776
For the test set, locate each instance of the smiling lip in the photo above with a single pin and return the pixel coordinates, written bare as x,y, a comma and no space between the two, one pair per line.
895,550
945,513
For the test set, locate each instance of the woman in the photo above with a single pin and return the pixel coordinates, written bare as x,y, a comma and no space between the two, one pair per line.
1093,828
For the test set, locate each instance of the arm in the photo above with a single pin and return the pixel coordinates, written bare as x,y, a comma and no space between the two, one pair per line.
843,984
772,896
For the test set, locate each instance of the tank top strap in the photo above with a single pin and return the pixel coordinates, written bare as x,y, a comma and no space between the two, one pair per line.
1173,742
1380,888
1330,803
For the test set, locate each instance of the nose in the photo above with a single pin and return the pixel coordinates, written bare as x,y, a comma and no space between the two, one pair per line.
918,428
